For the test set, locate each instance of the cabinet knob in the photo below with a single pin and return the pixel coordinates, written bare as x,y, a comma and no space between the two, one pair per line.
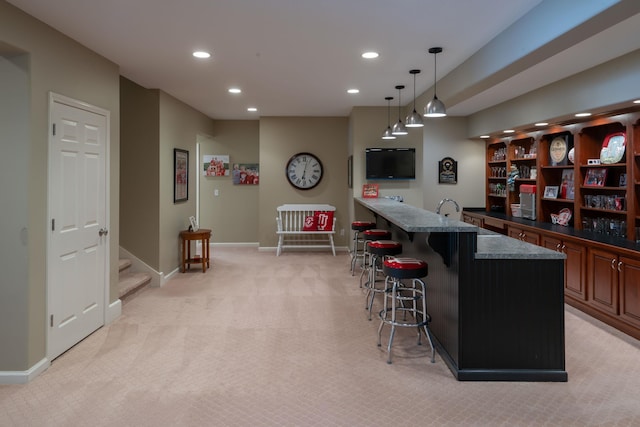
563,248
613,264
620,267
558,248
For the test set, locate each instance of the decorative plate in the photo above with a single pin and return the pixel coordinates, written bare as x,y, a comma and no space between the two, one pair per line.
571,155
558,150
613,148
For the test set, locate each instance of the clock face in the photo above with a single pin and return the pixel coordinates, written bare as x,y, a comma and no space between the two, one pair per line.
304,171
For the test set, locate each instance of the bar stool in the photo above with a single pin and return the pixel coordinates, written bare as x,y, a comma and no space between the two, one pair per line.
369,235
405,298
358,242
378,250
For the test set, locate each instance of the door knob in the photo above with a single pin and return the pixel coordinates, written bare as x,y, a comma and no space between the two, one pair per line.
103,232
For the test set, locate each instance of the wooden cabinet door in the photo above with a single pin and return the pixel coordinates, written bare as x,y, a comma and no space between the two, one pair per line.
525,236
575,269
575,265
603,281
630,290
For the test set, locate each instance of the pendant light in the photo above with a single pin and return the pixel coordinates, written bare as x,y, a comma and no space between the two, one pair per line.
398,128
414,120
387,133
435,107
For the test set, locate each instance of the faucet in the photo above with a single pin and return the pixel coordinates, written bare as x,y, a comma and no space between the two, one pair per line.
443,201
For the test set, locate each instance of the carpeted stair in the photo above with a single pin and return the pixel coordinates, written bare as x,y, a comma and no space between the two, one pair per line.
129,281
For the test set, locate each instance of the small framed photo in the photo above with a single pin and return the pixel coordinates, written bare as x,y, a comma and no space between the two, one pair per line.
370,191
193,223
595,177
551,192
623,180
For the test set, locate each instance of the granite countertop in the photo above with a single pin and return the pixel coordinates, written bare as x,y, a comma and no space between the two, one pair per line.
490,245
412,219
498,246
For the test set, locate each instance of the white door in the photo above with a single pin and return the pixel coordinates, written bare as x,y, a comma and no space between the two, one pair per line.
78,242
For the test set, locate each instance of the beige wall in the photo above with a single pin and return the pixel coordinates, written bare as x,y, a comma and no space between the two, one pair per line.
180,126
367,126
139,172
233,214
281,138
57,64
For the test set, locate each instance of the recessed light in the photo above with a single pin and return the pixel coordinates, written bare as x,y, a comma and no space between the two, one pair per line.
485,136
370,55
353,91
235,90
637,101
542,124
252,109
583,114
509,131
201,54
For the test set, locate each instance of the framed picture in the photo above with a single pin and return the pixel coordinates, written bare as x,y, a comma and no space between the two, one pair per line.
245,174
370,191
595,177
216,165
447,171
180,175
623,180
551,192
193,223
567,188
350,171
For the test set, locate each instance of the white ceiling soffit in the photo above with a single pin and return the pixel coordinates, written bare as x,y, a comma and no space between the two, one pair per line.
298,58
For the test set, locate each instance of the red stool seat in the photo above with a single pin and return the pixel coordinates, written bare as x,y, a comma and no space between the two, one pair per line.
405,268
384,247
377,234
362,225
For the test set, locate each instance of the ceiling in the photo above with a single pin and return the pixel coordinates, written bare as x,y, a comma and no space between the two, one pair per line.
299,57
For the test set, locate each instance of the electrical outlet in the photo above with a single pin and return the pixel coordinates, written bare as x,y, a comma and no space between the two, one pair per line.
342,231
216,192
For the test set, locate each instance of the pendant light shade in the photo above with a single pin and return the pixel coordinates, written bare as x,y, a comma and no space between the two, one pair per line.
435,107
398,128
387,133
414,120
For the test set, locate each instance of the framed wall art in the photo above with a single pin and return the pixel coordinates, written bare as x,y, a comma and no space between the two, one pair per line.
180,175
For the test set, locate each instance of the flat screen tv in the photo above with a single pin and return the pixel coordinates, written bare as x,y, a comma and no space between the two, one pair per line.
390,163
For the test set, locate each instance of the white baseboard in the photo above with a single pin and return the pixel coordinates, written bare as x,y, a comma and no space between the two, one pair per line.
302,248
236,244
114,310
140,266
23,377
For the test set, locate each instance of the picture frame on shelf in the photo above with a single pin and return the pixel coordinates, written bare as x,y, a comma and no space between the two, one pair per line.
623,180
595,177
551,192
567,186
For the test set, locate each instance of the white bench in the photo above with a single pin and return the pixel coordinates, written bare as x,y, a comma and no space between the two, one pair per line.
290,221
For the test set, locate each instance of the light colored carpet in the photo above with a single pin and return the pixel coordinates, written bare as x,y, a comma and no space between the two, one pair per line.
261,340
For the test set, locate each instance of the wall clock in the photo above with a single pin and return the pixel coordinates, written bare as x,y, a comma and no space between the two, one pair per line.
304,171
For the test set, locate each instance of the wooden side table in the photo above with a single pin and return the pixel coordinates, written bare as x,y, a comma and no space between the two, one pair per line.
186,237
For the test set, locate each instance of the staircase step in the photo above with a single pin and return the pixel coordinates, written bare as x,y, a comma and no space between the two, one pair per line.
130,283
123,264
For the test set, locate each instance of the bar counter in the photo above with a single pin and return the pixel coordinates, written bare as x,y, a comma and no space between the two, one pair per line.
496,303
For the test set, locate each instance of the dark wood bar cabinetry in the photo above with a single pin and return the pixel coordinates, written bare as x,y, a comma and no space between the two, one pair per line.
591,169
602,273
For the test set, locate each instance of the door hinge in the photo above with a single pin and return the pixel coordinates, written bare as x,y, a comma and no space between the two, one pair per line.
51,321
53,224
54,129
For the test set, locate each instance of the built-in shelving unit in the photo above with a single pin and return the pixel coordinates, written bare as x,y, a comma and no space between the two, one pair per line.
601,197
